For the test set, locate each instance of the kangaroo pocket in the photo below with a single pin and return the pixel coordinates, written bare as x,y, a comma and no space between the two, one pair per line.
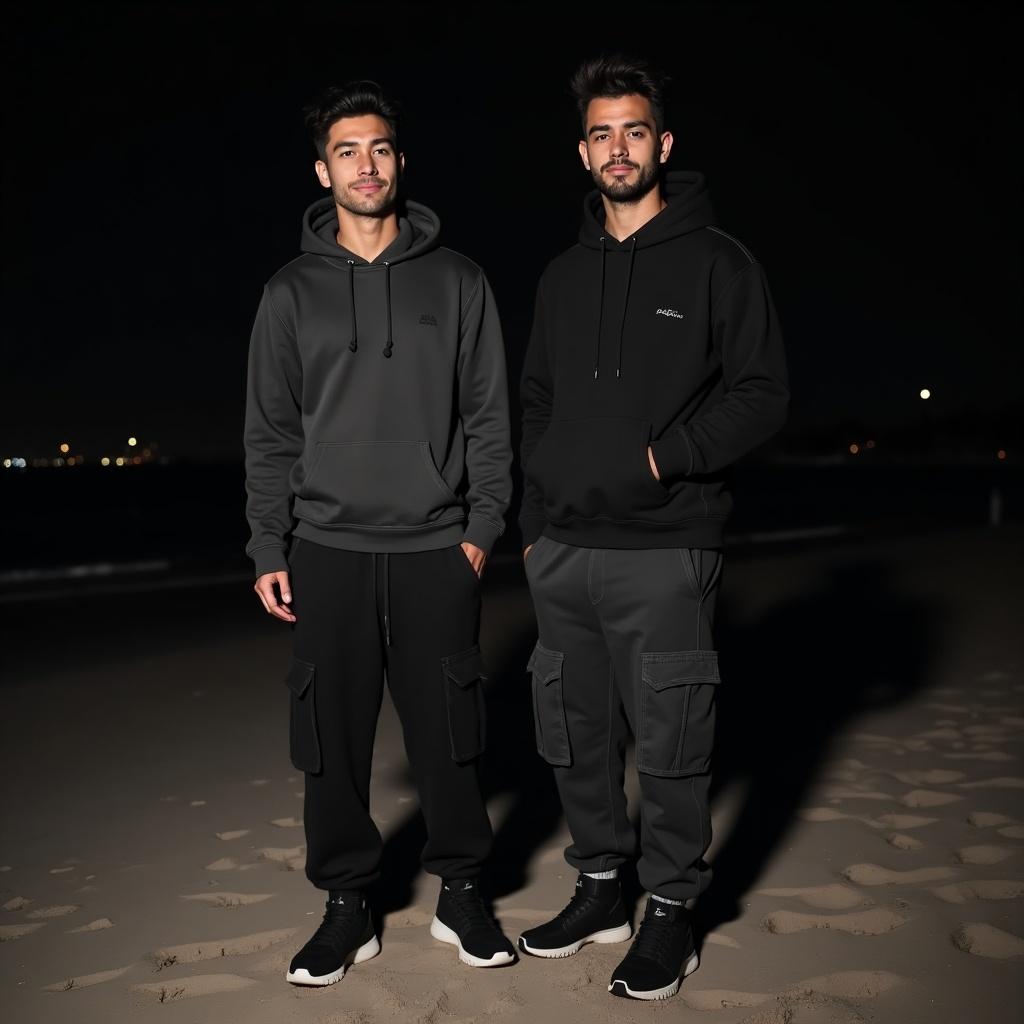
389,484
590,468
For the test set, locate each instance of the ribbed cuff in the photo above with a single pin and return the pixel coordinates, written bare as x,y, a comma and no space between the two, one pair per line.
482,532
269,559
673,454
531,528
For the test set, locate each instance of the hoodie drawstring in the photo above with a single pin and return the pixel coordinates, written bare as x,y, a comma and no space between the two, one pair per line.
382,591
387,301
600,316
625,304
353,343
600,310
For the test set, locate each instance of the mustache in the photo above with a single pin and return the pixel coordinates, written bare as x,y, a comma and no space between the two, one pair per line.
370,181
621,163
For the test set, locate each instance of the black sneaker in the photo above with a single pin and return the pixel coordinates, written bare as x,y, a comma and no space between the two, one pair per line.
345,937
594,914
463,920
662,955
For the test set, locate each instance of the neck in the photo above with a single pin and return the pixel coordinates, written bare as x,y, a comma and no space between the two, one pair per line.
624,219
367,237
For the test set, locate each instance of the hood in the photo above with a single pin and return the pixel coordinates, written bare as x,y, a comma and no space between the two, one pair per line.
418,228
689,208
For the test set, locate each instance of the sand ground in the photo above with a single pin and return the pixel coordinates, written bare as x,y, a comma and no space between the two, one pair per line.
869,811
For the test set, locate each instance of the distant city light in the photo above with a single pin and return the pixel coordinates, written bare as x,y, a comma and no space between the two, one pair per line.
133,441
120,460
870,444
1001,454
925,394
854,448
105,461
7,463
65,447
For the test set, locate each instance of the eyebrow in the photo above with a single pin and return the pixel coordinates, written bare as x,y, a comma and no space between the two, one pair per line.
607,127
351,143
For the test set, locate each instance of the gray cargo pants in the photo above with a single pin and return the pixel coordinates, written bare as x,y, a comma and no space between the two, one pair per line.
625,645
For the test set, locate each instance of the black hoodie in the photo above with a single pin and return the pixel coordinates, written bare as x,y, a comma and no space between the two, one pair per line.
669,339
377,409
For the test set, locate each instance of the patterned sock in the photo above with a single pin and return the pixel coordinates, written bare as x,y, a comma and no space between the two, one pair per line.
614,873
665,899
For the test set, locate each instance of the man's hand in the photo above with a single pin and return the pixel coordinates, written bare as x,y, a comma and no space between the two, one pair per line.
477,557
527,550
265,591
654,465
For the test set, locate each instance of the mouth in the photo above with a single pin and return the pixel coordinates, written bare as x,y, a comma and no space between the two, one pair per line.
620,170
368,187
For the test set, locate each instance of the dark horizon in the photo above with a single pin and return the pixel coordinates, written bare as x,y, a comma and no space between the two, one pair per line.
157,168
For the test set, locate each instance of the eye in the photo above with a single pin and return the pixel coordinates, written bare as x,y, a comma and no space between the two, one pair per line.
346,152
601,137
384,151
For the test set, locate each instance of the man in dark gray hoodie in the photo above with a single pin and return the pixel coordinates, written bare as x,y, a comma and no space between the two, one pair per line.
377,470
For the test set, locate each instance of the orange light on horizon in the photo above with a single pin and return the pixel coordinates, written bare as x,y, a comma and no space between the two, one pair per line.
854,448
1001,454
65,448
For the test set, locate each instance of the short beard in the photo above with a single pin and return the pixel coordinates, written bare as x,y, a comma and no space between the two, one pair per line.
371,206
620,192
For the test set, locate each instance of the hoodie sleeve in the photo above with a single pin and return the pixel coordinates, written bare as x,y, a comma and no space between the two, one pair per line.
749,343
483,408
536,396
273,437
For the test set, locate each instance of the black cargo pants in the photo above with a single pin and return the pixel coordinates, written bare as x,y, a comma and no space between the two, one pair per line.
415,618
625,644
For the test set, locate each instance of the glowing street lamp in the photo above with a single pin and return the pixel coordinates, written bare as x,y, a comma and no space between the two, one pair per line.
132,442
925,394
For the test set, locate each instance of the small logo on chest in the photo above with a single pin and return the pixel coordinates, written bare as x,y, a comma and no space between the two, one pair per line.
429,319
674,313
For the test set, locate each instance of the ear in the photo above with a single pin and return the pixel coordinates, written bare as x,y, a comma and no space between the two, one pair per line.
666,146
320,169
401,164
584,155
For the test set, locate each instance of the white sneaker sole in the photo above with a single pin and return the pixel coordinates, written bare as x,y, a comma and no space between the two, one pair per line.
620,934
439,930
365,952
620,988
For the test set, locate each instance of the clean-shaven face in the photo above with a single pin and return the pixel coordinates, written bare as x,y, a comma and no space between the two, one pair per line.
622,150
362,167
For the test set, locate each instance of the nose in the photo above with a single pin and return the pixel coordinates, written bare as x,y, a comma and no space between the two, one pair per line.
619,147
367,168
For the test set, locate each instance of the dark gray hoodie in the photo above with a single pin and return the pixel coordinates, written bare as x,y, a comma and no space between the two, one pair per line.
377,407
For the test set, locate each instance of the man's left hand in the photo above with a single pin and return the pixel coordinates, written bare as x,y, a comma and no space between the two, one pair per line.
654,465
477,557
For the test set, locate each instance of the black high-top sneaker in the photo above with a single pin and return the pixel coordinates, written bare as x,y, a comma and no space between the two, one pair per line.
594,914
662,954
345,937
463,920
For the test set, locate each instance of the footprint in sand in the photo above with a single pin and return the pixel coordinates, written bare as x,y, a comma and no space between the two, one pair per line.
877,921
193,952
824,897
1003,782
10,932
411,917
928,798
223,864
53,911
286,823
188,988
18,903
61,871
86,980
93,926
258,782
198,803
228,899
839,793
874,874
992,756
984,940
902,842
847,985
982,889
933,777
722,998
1012,832
235,834
718,939
980,854
986,819
905,820
292,858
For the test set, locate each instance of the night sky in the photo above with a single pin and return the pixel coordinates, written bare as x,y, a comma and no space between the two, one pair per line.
156,169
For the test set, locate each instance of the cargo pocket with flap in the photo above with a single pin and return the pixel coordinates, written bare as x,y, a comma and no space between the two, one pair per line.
677,712
549,707
304,739
463,674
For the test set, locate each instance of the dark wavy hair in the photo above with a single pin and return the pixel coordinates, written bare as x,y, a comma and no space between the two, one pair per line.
354,99
609,77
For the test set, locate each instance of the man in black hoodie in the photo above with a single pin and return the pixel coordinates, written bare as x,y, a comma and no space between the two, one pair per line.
377,469
654,363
